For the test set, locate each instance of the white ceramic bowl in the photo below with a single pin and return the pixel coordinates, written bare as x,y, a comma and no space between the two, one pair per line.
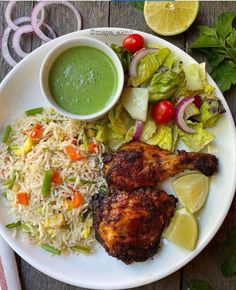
74,42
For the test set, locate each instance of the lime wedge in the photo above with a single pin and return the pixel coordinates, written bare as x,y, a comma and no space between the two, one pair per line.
170,17
192,190
183,229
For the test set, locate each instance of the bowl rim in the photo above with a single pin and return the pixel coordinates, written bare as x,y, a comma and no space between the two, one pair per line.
66,44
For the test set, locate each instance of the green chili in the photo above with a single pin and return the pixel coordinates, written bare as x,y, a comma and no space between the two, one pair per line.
34,111
103,189
82,249
87,181
13,148
10,182
72,179
47,181
51,249
6,134
4,194
13,225
25,227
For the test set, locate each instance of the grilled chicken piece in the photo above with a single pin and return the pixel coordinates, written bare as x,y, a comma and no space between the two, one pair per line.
138,165
129,224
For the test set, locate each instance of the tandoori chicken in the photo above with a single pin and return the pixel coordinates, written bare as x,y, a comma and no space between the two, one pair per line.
129,224
138,165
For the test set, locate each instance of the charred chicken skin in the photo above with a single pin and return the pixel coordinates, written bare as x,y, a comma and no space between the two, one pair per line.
129,224
138,165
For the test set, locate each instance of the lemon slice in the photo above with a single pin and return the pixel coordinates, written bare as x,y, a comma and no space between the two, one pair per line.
192,190
183,229
170,17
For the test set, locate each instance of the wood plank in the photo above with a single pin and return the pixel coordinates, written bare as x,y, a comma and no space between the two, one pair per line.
32,279
171,282
207,265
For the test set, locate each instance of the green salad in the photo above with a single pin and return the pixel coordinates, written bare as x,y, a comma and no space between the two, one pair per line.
163,101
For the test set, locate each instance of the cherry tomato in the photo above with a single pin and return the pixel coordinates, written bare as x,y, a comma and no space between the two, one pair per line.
163,112
197,101
133,42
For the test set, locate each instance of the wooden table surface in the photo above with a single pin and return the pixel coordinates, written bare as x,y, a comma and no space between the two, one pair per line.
206,265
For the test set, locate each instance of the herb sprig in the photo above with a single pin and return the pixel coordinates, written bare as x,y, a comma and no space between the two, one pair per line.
218,43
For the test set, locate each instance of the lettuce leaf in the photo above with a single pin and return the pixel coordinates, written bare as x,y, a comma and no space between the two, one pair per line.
148,66
124,55
175,137
166,84
117,129
149,130
193,77
210,111
116,143
207,88
162,137
120,120
196,79
102,131
198,140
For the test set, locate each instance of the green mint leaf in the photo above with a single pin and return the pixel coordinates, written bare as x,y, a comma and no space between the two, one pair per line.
206,30
225,76
228,266
199,285
214,60
231,39
137,4
224,24
232,51
204,41
207,37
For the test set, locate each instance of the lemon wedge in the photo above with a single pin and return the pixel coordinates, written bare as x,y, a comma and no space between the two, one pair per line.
183,229
192,190
170,17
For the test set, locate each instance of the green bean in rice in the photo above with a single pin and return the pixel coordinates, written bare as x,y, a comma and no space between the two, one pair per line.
28,164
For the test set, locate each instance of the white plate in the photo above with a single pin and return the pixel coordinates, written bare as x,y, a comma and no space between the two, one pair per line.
20,91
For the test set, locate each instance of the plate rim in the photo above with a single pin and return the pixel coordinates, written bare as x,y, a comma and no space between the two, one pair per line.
186,260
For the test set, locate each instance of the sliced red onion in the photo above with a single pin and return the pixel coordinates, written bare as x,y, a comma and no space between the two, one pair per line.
137,57
138,128
23,30
50,30
40,6
17,37
12,24
5,50
179,114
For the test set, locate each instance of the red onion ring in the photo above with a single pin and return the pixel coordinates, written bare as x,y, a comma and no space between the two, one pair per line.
16,39
50,30
136,59
13,24
5,50
137,130
23,30
179,114
40,6
4,44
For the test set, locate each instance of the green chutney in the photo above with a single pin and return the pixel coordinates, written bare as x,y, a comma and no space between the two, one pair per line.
83,80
